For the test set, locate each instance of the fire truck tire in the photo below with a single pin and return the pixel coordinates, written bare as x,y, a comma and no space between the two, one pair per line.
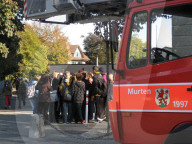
180,135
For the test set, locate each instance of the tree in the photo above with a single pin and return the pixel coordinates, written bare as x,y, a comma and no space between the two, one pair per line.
34,54
95,46
102,28
10,24
58,52
136,47
55,41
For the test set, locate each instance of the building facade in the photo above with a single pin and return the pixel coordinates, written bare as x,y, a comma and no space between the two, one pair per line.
77,56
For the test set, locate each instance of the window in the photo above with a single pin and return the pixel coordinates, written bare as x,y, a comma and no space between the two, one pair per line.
137,52
171,33
36,6
77,54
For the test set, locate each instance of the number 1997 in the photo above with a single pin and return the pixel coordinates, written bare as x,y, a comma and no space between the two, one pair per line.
180,103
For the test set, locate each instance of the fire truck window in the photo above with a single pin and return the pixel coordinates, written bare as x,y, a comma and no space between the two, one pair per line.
137,54
171,33
36,6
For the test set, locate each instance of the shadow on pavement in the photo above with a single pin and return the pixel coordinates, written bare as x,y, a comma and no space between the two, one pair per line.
9,133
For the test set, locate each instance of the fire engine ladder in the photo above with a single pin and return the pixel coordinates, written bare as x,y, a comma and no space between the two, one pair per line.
76,11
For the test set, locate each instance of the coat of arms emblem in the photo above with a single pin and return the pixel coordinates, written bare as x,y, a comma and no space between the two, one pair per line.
162,98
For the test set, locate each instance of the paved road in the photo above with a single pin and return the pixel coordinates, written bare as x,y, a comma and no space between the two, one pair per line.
14,128
9,133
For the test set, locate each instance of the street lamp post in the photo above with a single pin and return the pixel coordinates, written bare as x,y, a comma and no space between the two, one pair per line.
97,61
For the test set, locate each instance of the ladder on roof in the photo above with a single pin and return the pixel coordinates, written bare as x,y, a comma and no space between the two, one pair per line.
82,11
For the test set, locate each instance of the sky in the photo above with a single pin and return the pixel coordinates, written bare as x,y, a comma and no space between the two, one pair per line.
74,32
162,33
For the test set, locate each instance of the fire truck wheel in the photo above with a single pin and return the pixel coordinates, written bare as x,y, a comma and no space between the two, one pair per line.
180,135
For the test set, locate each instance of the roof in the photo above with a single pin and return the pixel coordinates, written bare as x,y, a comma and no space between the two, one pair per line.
73,48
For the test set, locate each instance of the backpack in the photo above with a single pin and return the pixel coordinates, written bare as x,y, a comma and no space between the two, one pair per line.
31,91
100,86
66,92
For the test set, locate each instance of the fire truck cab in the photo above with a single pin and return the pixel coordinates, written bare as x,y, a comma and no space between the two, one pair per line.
152,96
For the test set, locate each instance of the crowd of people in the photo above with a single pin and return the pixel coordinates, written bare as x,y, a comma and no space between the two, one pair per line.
21,90
69,92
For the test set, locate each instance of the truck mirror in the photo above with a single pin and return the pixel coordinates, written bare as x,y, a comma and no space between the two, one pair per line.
114,36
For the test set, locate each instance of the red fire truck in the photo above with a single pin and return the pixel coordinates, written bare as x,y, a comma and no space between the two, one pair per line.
152,92
152,101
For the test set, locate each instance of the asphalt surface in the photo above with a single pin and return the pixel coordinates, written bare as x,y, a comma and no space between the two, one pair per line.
15,124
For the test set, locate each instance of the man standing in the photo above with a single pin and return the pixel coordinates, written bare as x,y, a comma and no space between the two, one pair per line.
22,92
99,90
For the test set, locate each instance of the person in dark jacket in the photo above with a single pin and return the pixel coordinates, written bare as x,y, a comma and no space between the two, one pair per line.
16,83
104,75
78,98
22,92
43,87
59,113
91,108
85,80
99,94
7,90
65,89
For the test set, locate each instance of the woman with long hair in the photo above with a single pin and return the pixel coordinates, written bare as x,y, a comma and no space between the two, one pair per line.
43,87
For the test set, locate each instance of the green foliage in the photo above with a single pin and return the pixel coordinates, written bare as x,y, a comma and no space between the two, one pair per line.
4,50
55,41
58,52
95,46
40,47
7,27
137,47
10,24
34,54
